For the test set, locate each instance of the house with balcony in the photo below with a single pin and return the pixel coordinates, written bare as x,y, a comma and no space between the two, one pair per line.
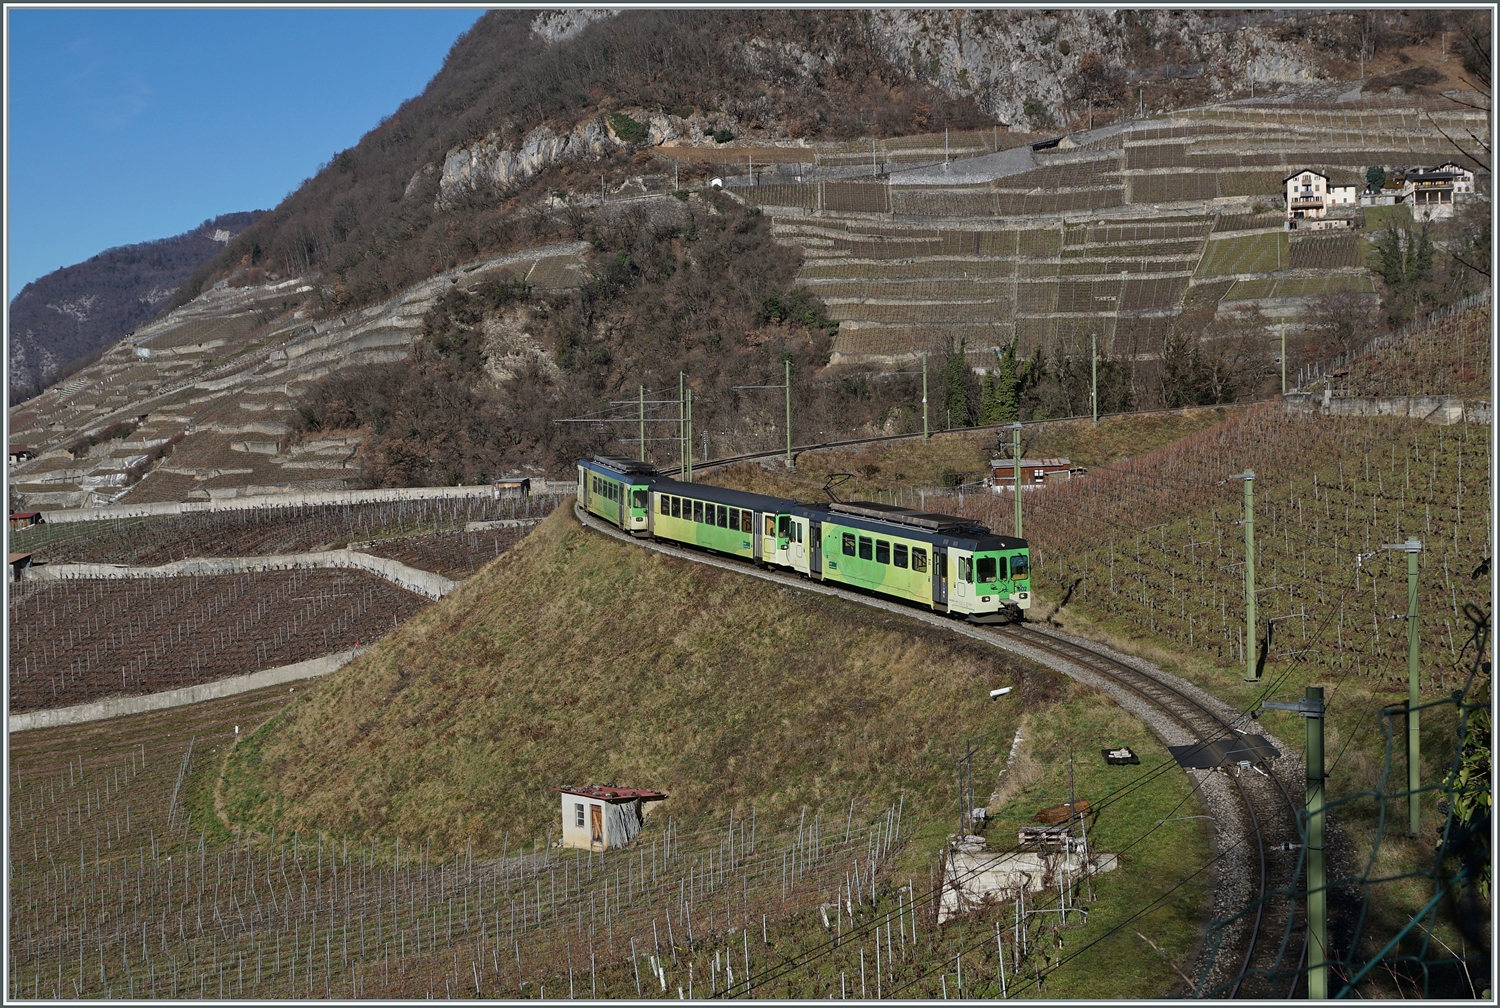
1310,195
1430,192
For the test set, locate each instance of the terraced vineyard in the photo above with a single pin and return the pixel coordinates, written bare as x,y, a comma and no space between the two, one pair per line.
980,250
87,639
262,531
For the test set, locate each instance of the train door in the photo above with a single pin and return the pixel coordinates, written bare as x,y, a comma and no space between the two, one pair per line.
963,579
583,486
940,579
783,540
815,549
768,537
799,544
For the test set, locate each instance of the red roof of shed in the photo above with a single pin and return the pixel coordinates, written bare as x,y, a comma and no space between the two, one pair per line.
26,514
612,792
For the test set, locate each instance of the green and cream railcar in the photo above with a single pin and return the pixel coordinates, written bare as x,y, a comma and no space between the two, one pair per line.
948,563
740,524
617,490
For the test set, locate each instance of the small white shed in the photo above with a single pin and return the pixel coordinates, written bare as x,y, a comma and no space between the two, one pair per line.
603,816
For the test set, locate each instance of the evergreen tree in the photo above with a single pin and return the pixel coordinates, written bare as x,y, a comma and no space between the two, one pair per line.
1002,404
955,385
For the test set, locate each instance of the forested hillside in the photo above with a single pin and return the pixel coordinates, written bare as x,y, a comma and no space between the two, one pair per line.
62,320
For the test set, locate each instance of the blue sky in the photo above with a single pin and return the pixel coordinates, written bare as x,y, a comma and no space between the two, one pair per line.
129,125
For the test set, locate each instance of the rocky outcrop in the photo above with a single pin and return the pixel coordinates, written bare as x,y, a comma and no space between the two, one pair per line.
1036,70
489,164
556,25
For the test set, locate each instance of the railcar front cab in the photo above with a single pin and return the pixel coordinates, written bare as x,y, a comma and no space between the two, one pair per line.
617,490
990,580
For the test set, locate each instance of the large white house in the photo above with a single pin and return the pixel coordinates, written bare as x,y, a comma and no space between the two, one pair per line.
1308,195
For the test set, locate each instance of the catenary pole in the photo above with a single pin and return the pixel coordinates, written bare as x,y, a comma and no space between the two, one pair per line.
1412,548
1311,709
689,477
1015,453
1317,894
926,436
1413,715
643,423
788,375
1094,389
681,427
1252,668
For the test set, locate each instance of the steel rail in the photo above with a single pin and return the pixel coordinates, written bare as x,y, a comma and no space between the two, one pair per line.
1017,641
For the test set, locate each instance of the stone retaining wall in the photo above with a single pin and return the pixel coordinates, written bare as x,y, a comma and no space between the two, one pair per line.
312,498
121,706
1444,410
433,586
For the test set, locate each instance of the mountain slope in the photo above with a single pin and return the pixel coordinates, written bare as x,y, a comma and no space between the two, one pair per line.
79,310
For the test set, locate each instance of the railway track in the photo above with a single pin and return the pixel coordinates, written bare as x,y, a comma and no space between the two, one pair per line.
1254,954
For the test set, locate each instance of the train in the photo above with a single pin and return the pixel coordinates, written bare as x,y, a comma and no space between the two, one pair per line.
947,563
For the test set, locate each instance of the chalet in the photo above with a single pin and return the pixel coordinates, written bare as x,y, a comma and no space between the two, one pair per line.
1033,471
1430,192
26,519
603,816
1309,195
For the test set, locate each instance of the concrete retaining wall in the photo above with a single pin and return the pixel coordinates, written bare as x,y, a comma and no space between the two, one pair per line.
1444,410
305,499
180,697
433,586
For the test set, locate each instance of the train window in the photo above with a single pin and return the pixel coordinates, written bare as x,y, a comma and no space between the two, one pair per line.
900,558
1019,567
770,525
797,531
882,551
698,511
723,521
865,552
638,498
966,569
594,484
676,507
919,559
783,527
848,544
666,506
986,570
747,522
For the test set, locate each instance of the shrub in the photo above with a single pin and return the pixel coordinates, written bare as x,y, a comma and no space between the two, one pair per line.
628,129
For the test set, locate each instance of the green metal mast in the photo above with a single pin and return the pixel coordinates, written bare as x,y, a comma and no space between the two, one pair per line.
1252,669
1311,709
643,423
1412,548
